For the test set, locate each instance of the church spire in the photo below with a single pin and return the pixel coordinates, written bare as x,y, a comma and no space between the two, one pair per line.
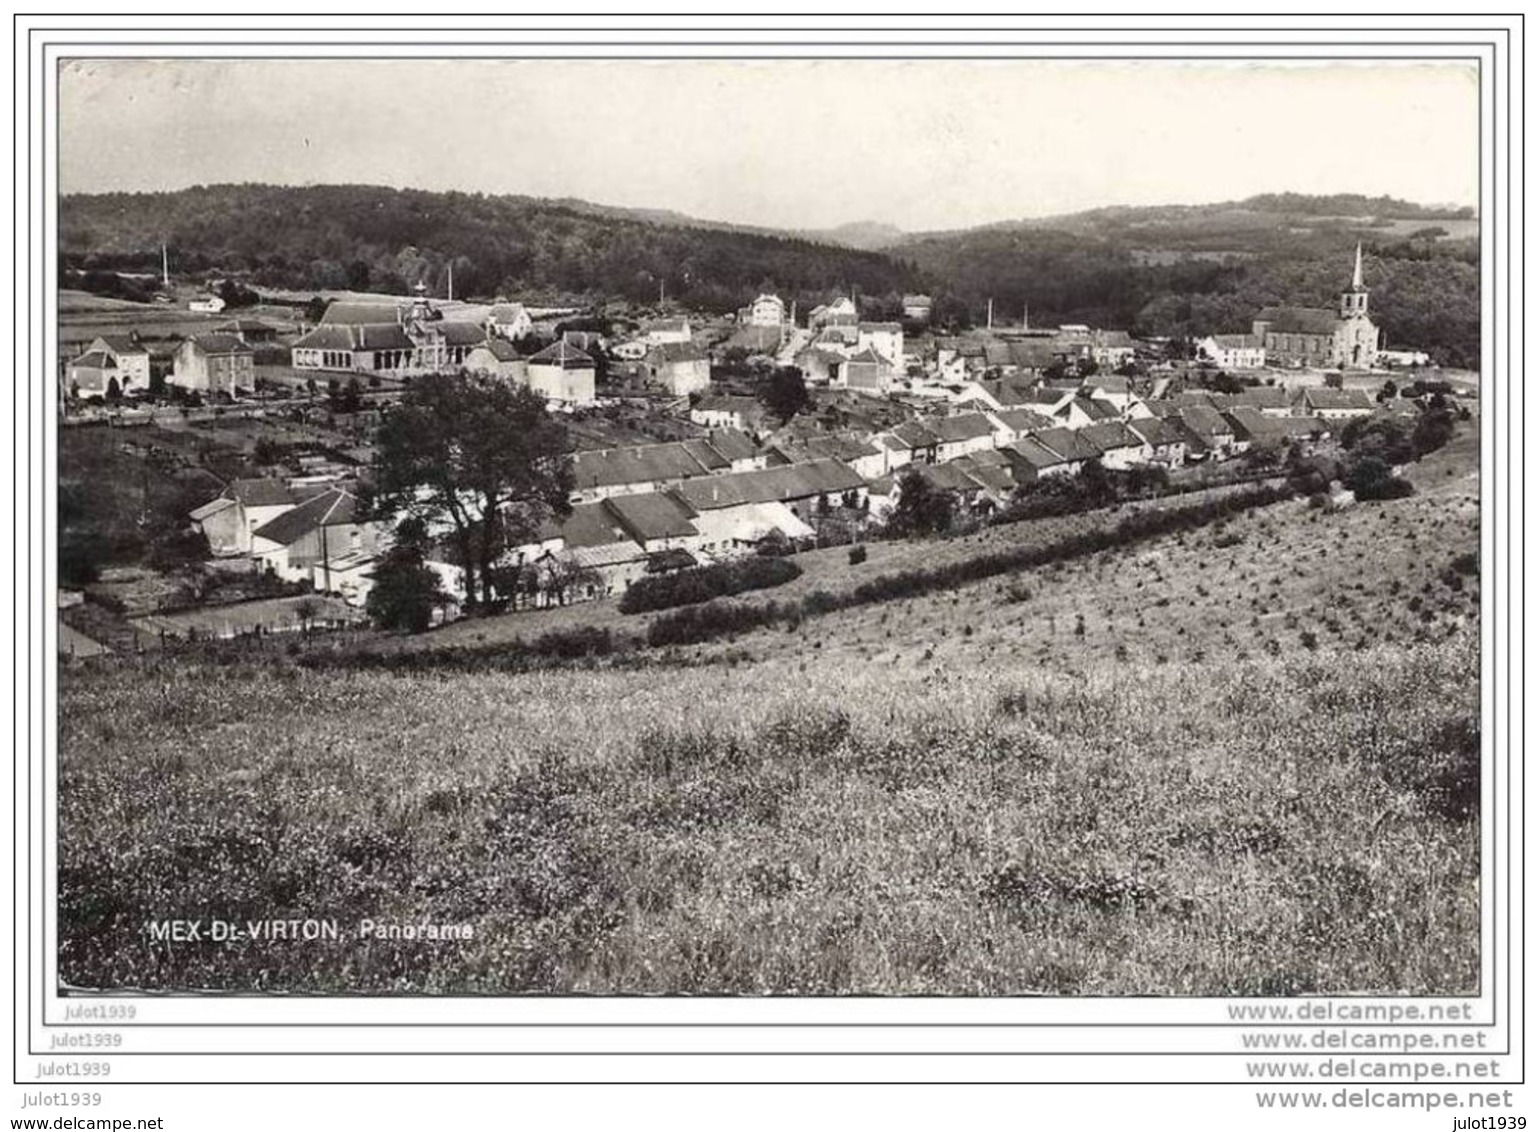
1356,276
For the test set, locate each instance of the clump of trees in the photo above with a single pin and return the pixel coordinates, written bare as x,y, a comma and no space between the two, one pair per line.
480,456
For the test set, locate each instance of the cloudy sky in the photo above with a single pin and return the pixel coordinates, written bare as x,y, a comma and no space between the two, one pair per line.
922,145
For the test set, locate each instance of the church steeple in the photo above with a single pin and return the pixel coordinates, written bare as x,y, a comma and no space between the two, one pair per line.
1353,302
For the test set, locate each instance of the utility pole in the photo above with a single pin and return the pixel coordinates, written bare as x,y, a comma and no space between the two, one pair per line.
165,267
990,313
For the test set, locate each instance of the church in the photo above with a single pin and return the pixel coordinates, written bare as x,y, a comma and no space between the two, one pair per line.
1312,336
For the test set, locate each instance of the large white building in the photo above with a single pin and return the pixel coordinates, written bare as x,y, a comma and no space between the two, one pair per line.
387,338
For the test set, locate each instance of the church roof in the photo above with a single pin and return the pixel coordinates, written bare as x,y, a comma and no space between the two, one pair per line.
1298,320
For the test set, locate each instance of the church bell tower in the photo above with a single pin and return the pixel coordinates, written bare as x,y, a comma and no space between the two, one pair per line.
1353,302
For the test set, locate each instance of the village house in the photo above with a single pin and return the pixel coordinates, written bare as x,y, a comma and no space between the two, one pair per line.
866,372
883,338
1032,460
1067,443
840,312
606,472
1234,351
315,532
214,363
1254,428
563,373
1111,388
252,331
679,367
910,442
229,521
499,358
130,358
766,310
1010,425
1332,404
806,490
662,331
1272,400
820,365
1164,441
1119,447
1208,432
867,460
745,414
93,374
962,435
509,321
917,308
208,304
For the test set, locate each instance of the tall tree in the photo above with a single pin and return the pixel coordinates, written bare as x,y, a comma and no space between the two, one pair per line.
784,394
479,456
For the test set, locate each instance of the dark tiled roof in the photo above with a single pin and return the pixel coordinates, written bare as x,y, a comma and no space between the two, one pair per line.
1035,453
563,354
501,349
966,426
732,444
220,344
1109,436
1205,421
330,508
1067,443
1158,432
669,353
1336,399
648,463
1298,320
260,492
360,314
651,515
94,360
791,482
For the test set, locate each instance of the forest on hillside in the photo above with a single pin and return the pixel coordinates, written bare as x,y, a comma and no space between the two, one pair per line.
1207,275
379,239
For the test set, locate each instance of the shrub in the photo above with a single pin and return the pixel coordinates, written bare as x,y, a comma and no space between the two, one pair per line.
690,587
857,555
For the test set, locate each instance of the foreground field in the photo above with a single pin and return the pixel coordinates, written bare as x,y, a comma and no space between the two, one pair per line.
1269,826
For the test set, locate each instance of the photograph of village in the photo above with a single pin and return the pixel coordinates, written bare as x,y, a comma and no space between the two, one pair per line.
842,528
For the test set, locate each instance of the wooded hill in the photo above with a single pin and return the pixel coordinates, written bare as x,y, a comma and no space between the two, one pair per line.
369,238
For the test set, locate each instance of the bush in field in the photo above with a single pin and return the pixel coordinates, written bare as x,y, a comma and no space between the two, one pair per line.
857,555
690,587
1369,477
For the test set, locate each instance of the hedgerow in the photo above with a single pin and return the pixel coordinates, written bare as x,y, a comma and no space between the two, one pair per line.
723,579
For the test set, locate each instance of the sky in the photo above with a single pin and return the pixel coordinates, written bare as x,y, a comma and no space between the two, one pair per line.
922,145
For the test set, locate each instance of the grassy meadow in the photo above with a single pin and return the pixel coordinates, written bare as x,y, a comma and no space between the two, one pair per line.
961,793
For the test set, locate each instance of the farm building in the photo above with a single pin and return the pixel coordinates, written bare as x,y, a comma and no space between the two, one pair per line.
1332,404
214,363
719,411
562,372
500,358
322,528
229,521
679,367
